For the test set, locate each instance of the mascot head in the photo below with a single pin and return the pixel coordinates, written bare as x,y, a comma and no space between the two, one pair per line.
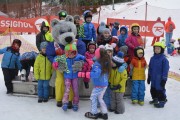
64,31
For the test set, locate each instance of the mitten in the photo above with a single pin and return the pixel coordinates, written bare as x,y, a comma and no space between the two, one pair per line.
55,65
122,67
148,79
81,74
163,82
88,75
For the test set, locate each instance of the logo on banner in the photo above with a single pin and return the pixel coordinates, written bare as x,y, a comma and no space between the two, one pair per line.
38,23
158,29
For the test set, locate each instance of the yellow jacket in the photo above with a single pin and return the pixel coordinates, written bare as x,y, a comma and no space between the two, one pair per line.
42,68
138,67
118,78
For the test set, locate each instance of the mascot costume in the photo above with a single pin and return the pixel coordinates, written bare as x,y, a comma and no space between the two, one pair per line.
63,32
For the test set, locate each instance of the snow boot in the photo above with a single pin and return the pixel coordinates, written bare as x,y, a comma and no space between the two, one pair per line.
59,104
75,107
141,103
70,105
111,110
160,104
86,84
65,106
103,116
92,116
40,100
134,101
45,100
154,101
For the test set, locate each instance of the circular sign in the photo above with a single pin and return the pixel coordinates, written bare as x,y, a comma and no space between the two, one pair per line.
38,23
158,29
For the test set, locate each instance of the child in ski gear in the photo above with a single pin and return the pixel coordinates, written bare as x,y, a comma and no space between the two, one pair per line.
89,55
71,77
123,35
100,29
42,73
9,62
106,38
115,29
158,75
134,40
170,47
138,66
99,76
27,60
117,83
44,35
87,30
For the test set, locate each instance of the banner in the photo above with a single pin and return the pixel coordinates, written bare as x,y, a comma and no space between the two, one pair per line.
147,28
26,25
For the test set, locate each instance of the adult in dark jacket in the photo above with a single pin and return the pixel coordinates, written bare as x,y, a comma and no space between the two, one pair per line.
44,35
9,62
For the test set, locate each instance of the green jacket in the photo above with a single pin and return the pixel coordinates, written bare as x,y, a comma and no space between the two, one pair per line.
42,68
118,78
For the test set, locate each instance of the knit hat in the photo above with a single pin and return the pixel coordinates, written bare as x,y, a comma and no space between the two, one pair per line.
119,57
97,53
108,47
116,23
43,45
101,27
76,17
124,49
70,48
106,30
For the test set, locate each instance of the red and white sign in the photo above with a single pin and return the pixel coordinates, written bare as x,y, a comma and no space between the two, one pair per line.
147,28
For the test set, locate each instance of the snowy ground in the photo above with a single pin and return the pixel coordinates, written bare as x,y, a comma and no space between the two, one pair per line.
19,108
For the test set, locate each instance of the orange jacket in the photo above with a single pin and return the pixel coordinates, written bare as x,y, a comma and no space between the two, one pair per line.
138,67
169,26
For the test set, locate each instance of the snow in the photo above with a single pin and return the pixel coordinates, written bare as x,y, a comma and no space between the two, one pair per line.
19,108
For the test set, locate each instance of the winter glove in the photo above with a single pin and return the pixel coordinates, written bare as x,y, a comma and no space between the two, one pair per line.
55,65
88,75
62,64
81,74
163,83
148,80
77,66
115,87
122,67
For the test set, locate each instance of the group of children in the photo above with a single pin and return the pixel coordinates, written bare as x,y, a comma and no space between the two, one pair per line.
108,62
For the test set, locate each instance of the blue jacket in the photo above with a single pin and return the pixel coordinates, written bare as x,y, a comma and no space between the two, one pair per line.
97,78
81,47
122,38
29,55
114,31
70,62
158,70
89,32
50,51
10,58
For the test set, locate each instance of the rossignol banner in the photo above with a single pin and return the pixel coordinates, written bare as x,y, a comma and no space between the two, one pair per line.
23,25
147,28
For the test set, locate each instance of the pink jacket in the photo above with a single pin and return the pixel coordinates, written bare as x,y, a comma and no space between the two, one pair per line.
87,67
132,42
